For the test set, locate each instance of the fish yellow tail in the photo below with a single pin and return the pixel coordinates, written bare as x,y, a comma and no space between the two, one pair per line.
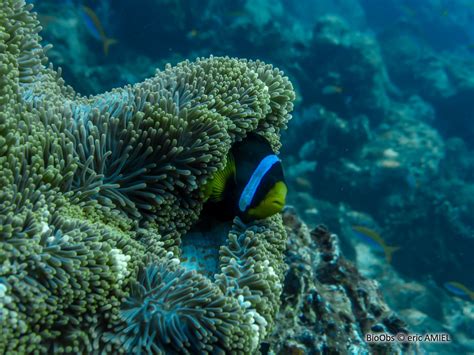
388,253
107,42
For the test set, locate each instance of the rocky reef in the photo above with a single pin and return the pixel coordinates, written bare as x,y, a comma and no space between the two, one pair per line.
327,306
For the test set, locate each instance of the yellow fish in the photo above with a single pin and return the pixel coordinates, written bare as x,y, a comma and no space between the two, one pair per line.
96,29
459,289
304,183
193,33
332,89
373,239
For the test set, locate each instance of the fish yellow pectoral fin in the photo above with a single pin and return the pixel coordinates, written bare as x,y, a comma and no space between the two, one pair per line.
214,188
107,42
388,253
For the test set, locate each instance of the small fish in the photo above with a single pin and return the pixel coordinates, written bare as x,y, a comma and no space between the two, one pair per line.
373,239
459,289
96,29
304,183
331,90
389,163
251,185
312,211
193,33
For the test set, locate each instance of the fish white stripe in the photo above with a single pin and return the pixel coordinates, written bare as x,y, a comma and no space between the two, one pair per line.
257,176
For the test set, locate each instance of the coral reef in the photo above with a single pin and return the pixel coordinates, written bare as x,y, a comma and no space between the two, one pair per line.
445,79
418,301
97,192
328,307
387,157
348,76
427,308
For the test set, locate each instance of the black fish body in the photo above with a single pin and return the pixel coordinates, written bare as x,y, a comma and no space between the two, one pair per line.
251,186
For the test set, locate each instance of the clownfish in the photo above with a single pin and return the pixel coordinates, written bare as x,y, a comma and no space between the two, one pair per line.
251,185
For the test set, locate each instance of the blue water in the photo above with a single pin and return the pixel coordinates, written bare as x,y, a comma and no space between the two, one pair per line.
383,124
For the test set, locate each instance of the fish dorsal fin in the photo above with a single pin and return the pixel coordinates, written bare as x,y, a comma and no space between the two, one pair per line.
215,187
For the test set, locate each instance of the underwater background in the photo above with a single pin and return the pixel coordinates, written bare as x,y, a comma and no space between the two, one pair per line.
381,145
